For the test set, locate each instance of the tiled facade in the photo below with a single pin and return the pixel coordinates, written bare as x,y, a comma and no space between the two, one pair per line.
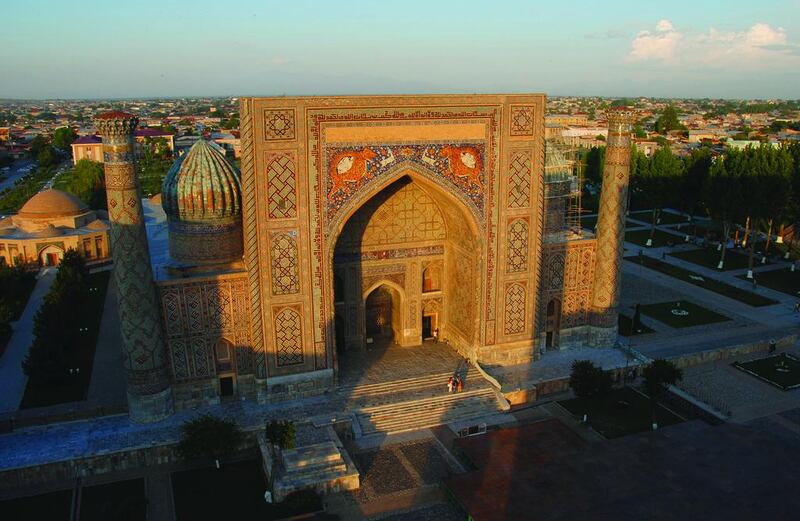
438,201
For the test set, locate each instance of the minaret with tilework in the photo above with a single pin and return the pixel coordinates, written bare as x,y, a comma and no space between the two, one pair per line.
143,347
611,229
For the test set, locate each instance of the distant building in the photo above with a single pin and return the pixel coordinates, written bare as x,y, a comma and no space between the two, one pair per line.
91,146
49,224
87,147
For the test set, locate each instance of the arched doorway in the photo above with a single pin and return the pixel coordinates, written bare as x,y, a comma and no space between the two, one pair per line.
553,324
50,256
409,246
383,315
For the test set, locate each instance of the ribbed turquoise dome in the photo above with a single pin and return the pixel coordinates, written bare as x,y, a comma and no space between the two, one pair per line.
202,184
202,197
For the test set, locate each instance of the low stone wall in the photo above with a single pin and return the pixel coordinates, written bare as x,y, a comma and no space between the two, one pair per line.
712,355
292,387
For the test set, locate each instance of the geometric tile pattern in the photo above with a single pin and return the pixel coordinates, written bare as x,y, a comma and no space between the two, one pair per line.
610,222
519,181
281,196
200,314
288,337
279,125
515,309
517,246
521,120
144,350
283,253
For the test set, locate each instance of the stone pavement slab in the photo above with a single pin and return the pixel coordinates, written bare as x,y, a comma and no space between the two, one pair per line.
12,378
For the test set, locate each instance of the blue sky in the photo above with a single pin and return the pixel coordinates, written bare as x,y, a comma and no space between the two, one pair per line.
700,48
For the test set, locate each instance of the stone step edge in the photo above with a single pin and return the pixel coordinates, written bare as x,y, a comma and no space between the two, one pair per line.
420,425
411,415
439,377
447,398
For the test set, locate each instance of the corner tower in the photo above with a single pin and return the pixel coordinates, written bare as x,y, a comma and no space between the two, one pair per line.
144,354
611,229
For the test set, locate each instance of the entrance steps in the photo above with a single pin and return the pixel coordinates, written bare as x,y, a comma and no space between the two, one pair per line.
427,412
382,393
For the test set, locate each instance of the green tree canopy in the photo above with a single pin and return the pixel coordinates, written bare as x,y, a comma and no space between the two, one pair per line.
668,121
209,437
63,137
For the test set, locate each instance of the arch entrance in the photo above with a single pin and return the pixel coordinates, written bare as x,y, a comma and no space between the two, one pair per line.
406,263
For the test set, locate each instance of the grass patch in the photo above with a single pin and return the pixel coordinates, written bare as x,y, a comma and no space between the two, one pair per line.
120,501
75,389
682,313
209,493
709,257
621,412
784,280
660,238
53,506
626,327
744,296
782,371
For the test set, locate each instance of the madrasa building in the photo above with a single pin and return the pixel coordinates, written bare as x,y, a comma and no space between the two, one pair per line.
357,223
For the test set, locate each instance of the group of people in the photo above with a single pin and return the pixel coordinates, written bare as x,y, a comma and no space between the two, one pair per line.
455,384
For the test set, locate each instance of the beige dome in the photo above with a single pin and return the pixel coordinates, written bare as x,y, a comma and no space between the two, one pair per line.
52,204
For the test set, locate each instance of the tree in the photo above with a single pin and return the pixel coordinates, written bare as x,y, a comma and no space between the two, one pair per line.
56,325
587,380
723,198
765,176
656,181
595,158
63,137
209,437
87,181
281,433
46,156
38,143
690,189
668,121
658,376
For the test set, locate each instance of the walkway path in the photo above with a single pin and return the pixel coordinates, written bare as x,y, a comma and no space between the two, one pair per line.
12,378
107,386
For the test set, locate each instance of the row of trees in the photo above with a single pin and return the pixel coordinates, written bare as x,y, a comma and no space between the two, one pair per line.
757,187
56,330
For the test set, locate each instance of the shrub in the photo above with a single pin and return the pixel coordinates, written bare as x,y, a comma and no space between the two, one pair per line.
282,433
208,436
587,380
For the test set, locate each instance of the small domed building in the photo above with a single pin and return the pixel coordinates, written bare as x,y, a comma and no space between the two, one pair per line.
49,224
202,198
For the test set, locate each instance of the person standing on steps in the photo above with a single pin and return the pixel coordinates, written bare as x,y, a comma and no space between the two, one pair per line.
450,382
436,335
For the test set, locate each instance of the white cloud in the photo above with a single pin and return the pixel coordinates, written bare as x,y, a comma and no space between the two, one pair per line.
658,45
759,47
664,26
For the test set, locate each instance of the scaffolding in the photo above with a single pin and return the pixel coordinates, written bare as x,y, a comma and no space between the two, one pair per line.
563,177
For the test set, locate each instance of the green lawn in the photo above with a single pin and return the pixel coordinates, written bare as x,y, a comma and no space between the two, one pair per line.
210,493
39,395
660,238
119,501
682,314
747,297
783,280
626,323
623,411
782,371
709,257
666,217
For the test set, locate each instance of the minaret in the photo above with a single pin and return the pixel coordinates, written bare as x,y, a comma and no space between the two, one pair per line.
143,348
611,229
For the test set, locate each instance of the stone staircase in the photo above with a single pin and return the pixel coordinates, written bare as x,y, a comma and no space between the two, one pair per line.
322,466
428,411
383,393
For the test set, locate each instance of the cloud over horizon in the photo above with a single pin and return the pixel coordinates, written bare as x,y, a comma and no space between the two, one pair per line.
759,47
